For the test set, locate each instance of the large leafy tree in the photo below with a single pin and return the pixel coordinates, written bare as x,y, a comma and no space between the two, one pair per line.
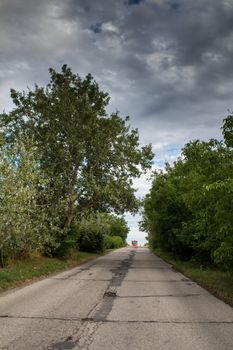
228,130
89,156
189,208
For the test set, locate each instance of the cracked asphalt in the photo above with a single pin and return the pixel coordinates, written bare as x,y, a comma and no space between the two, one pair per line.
128,299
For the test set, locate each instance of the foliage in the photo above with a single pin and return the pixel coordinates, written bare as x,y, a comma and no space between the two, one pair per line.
90,157
80,161
24,222
92,232
119,227
228,130
20,271
113,242
216,281
189,208
97,232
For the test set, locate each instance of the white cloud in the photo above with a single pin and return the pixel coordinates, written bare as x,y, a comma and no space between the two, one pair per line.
110,27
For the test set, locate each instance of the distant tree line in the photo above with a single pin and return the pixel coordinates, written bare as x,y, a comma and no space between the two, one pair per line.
66,169
189,210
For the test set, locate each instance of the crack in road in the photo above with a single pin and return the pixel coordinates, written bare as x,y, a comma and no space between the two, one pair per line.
150,268
160,296
84,320
43,318
81,279
163,322
155,281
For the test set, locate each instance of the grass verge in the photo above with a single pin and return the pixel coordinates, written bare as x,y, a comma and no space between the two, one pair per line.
217,282
25,271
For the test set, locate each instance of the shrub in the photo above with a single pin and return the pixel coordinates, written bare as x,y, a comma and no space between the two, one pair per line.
91,241
112,242
92,232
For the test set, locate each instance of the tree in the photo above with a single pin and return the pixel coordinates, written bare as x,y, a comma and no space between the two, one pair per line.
119,227
228,130
90,157
23,220
189,208
164,211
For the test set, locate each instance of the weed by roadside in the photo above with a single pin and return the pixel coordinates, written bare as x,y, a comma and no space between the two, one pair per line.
38,266
217,282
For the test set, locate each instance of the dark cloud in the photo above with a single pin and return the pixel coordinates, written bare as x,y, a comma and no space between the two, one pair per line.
164,62
134,2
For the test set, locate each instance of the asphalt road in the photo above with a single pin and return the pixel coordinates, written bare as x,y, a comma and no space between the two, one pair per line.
128,299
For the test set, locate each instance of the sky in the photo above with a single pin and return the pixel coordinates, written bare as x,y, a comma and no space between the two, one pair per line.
168,64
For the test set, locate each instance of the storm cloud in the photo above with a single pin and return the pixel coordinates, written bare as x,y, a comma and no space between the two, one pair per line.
166,63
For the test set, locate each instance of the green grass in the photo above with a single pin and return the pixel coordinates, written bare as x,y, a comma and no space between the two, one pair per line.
218,282
24,271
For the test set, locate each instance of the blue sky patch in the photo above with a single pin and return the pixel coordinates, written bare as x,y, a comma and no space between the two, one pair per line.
159,163
173,150
134,2
96,28
175,5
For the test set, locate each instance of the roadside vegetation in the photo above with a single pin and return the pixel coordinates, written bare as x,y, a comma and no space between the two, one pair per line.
66,171
23,271
216,281
188,213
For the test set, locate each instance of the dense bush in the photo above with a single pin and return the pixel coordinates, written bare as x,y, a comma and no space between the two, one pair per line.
113,242
95,232
189,208
91,233
91,241
24,223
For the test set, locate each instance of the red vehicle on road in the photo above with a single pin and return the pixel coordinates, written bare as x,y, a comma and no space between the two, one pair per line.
134,243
